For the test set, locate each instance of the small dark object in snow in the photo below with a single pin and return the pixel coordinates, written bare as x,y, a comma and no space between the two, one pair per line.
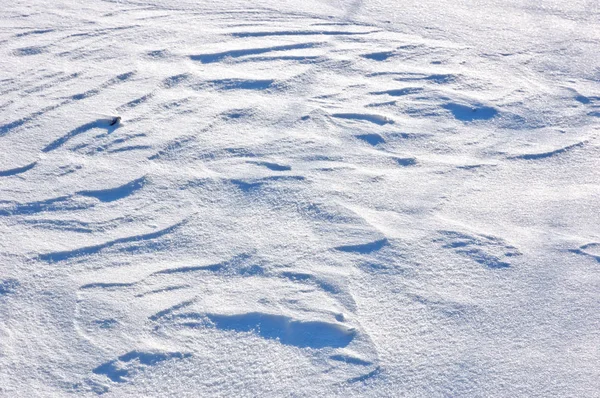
115,120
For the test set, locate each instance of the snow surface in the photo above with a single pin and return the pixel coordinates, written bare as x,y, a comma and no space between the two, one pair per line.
303,198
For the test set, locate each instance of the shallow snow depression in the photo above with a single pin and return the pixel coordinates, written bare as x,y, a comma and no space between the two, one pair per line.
317,198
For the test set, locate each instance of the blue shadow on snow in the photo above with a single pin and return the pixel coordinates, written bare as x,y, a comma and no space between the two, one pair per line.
99,123
117,373
312,334
469,113
112,194
364,248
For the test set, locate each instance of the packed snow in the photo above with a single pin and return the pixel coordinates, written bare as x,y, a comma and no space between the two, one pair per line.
319,198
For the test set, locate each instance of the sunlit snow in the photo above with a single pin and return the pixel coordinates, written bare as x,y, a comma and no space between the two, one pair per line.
320,198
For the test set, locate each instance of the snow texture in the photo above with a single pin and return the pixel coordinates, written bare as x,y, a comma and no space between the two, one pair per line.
319,198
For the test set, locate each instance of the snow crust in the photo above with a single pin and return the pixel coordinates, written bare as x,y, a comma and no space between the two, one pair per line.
303,198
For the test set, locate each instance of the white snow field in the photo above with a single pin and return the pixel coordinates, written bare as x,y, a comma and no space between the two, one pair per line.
313,198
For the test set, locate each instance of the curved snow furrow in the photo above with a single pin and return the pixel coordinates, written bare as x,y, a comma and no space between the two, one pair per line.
8,127
85,251
17,170
591,250
35,32
331,285
53,83
6,104
236,84
174,148
130,148
299,33
169,311
371,118
364,248
416,77
544,155
79,226
127,365
254,185
362,378
96,124
489,251
238,265
240,261
218,57
162,290
99,32
268,165
61,203
136,102
112,194
105,285
400,92
32,82
70,202
8,86
301,59
118,79
105,142
27,51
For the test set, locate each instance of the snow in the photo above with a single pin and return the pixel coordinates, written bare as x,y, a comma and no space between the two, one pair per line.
316,198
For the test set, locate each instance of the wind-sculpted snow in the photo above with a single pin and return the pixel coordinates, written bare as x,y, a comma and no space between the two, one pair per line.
17,170
311,334
112,194
100,123
89,250
311,199
209,58
120,369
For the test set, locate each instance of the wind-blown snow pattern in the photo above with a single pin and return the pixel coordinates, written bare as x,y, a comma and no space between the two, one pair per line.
321,198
